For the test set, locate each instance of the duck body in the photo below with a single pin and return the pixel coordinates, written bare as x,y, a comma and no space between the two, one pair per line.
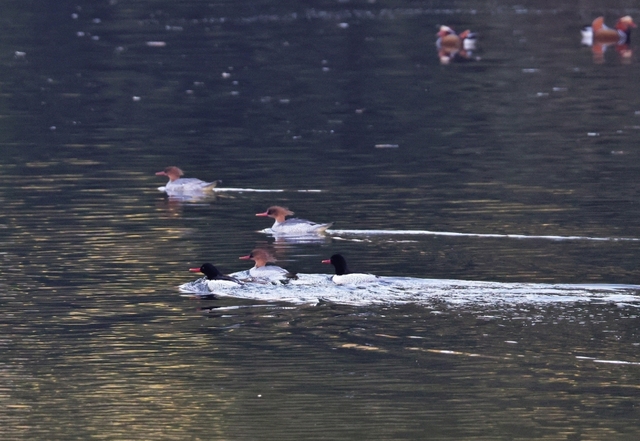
299,226
179,185
621,34
292,226
269,272
599,36
263,272
454,47
215,279
189,185
345,277
354,279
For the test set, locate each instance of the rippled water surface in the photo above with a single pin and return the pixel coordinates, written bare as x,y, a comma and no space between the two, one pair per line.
498,199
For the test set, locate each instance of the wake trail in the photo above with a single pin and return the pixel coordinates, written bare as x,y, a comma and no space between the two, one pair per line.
493,236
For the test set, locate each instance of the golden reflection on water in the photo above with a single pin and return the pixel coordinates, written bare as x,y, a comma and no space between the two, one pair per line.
151,368
96,343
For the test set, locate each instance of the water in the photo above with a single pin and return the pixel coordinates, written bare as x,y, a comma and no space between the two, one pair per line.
498,200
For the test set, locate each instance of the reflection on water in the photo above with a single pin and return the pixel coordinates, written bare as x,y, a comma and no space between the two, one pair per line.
503,222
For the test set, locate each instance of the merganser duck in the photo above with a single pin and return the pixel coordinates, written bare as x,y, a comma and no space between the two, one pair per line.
215,279
599,36
343,275
262,271
180,185
294,225
453,47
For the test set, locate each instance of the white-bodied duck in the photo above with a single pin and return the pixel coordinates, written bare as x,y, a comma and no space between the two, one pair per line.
293,226
180,186
344,276
263,272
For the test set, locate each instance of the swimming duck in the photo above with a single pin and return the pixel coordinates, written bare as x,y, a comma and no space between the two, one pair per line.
454,47
599,36
215,279
179,185
262,271
343,275
292,226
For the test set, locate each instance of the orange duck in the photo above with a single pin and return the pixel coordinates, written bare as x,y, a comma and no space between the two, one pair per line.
599,36
455,47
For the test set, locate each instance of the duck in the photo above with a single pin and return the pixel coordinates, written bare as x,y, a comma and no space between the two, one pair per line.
599,36
215,279
293,226
455,47
343,275
179,185
621,34
262,271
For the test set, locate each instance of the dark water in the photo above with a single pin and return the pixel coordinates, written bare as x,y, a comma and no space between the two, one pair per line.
534,139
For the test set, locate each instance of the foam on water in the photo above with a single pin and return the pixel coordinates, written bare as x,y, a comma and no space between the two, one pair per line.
315,288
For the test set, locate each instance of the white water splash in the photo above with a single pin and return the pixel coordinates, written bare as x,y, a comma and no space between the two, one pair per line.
315,288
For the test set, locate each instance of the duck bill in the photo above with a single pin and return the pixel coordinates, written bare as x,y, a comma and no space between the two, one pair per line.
326,261
161,173
245,258
265,214
194,270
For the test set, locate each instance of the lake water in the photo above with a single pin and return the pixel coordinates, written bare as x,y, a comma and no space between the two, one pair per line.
498,199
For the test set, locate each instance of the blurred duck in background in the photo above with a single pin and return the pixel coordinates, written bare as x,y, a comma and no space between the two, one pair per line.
455,47
599,36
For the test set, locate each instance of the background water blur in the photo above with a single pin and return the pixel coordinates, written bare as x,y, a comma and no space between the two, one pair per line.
534,138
